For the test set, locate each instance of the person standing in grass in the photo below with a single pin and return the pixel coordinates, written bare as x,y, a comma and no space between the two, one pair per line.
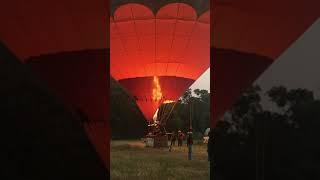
172,140
180,138
189,143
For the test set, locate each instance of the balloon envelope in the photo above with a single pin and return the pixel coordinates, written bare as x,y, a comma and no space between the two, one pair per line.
157,56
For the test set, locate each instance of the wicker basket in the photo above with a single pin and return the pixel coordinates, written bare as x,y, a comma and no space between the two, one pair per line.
160,141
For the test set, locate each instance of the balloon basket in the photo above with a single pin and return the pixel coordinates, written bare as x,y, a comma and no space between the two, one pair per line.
160,141
156,141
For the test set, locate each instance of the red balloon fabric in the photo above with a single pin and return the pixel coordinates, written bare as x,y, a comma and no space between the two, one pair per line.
233,72
79,80
157,57
68,41
252,32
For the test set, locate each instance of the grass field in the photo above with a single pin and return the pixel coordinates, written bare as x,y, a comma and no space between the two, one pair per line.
132,160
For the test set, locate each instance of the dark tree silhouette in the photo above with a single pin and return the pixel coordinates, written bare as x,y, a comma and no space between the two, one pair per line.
258,144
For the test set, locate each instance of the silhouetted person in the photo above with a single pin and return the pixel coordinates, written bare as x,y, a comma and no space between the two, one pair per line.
172,140
189,143
180,138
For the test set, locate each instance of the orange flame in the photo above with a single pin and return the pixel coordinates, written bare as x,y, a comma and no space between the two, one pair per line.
167,101
156,92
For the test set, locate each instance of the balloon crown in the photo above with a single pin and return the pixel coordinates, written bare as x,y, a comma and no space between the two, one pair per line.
200,6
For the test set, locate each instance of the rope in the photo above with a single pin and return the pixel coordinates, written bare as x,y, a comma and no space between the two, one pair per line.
168,116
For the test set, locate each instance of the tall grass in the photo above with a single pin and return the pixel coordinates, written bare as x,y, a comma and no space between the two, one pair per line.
132,160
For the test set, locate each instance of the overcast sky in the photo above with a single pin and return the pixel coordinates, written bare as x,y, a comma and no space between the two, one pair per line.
297,67
203,82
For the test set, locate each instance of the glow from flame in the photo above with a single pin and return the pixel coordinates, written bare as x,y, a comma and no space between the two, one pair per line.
167,101
156,92
155,116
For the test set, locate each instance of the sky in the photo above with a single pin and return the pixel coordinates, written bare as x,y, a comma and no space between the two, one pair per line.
203,82
298,66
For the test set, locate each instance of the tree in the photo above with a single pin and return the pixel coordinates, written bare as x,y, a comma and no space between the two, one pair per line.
278,95
186,96
197,106
289,101
247,106
286,143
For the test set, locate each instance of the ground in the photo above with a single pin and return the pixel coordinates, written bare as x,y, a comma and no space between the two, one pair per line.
132,160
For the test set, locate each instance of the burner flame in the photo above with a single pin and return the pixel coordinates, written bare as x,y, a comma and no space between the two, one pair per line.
167,101
156,92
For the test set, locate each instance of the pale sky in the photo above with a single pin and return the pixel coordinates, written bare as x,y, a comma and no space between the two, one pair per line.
203,82
298,66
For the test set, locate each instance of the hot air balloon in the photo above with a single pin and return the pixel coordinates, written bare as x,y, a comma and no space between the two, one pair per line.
65,44
158,48
248,36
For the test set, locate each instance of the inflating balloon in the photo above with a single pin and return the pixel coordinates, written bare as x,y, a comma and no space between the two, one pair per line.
158,49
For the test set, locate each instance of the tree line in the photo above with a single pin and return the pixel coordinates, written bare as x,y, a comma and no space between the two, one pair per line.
191,110
250,142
